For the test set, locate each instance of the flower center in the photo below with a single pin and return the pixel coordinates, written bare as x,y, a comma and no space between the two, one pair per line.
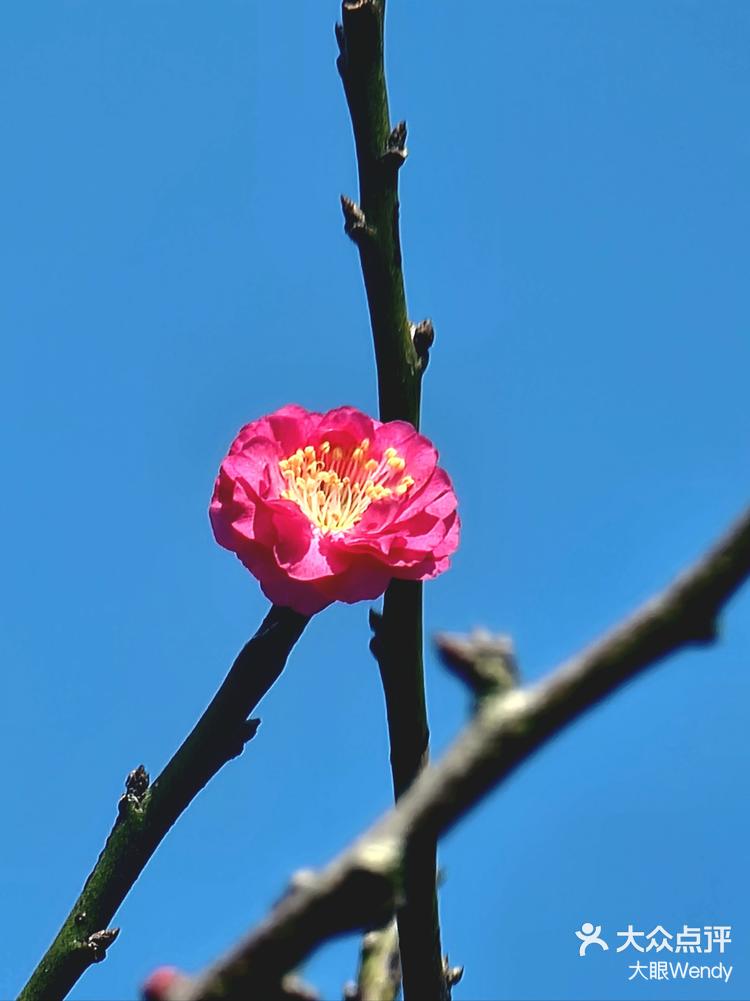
335,486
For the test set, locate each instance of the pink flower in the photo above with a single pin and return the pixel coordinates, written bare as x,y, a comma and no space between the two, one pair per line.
330,507
160,983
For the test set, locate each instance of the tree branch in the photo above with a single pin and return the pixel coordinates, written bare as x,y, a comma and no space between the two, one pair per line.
363,885
374,223
145,814
401,353
379,973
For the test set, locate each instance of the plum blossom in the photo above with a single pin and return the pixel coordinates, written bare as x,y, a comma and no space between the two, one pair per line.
330,507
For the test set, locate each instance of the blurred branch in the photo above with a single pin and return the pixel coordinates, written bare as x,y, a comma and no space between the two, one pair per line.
146,813
379,974
363,885
485,663
167,980
401,353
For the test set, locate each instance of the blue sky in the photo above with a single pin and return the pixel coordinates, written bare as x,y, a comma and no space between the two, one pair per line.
575,221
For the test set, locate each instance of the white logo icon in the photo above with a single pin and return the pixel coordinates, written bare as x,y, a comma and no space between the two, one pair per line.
589,935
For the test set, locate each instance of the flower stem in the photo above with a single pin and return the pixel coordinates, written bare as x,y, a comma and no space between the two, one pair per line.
146,813
399,657
374,227
374,224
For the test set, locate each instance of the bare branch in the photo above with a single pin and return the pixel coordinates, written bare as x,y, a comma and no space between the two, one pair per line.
379,974
364,883
401,355
484,662
146,813
381,149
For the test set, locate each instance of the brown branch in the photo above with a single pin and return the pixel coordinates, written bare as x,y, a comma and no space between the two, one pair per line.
363,885
401,353
145,814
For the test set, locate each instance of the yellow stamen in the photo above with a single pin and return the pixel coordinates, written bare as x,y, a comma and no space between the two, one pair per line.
335,486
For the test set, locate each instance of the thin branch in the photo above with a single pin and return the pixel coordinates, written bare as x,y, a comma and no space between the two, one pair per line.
379,974
374,223
397,645
363,885
401,352
145,814
485,663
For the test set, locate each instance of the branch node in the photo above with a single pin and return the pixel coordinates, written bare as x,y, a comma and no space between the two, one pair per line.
486,663
136,787
395,153
355,224
302,880
251,728
453,974
137,782
423,337
294,988
99,941
381,858
376,625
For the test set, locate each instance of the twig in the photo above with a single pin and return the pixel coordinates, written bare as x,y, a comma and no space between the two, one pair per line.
397,645
374,223
379,974
485,663
401,352
362,886
145,814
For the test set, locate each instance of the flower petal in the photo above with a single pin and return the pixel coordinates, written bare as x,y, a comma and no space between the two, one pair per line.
291,544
